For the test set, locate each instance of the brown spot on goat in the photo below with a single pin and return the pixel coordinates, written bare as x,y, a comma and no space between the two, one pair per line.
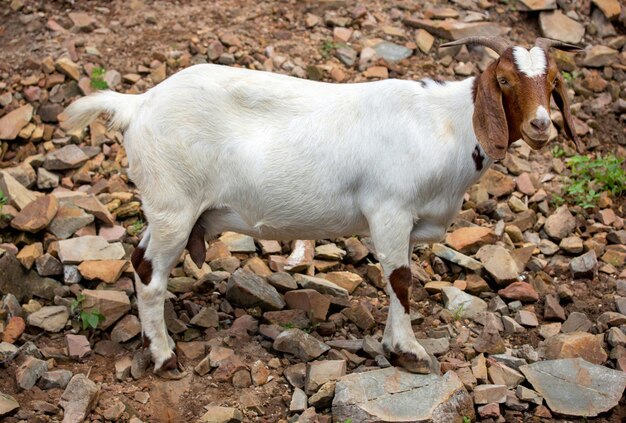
142,265
196,245
400,280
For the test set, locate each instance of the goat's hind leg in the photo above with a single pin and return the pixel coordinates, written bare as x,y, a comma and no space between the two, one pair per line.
153,259
391,233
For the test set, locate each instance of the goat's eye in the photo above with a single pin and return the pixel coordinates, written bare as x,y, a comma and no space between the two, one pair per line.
503,81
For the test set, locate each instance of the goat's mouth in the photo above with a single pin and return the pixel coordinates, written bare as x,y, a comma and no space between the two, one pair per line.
537,140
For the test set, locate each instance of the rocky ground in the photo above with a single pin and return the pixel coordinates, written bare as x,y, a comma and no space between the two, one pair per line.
524,304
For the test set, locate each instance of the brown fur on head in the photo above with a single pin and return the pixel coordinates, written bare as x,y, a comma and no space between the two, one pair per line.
512,97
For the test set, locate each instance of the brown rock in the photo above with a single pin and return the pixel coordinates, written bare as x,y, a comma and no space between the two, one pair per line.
497,183
519,291
29,254
13,330
108,271
469,240
560,224
77,346
347,280
455,30
610,8
12,123
576,344
36,215
557,26
360,315
112,304
315,304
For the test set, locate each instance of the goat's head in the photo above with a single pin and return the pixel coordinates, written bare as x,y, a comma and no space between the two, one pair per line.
512,97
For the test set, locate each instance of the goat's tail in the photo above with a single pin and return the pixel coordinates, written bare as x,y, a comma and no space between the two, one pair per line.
119,108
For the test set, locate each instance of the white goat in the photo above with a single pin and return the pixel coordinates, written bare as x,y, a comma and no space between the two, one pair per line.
217,148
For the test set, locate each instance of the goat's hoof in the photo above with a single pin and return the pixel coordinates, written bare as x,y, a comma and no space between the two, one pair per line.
410,362
171,374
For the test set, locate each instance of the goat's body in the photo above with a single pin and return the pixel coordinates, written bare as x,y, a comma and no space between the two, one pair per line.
214,148
277,157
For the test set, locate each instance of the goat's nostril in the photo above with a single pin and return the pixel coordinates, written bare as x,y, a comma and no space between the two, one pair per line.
540,124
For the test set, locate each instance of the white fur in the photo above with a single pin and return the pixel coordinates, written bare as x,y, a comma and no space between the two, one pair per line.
531,63
279,157
542,114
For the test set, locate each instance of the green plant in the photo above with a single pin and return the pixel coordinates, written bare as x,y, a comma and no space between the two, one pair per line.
348,420
458,313
327,48
288,325
311,328
558,151
90,319
4,200
589,177
467,419
97,81
138,225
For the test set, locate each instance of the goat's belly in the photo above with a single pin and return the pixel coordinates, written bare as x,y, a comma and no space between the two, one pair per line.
285,226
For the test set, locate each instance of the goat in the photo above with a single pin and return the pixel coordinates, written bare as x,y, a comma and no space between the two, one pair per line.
216,148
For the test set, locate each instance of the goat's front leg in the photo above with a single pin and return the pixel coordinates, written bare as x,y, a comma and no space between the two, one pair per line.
391,236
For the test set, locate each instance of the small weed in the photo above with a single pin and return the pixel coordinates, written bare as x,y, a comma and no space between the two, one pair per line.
558,151
467,419
4,200
90,319
348,420
569,77
97,81
311,328
590,177
327,48
138,225
289,325
458,313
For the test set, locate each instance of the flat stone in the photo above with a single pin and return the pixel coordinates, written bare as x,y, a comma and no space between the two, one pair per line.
576,344
499,263
108,271
68,220
557,26
455,257
320,372
526,318
599,56
13,122
322,286
489,340
300,344
36,215
8,404
360,316
301,257
77,346
391,52
560,224
485,394
49,318
68,157
575,387
469,240
455,30
521,291
497,183
538,5
92,205
19,196
298,401
249,290
610,8
67,67
238,243
126,329
394,395
79,398
424,40
112,304
89,247
312,302
216,414
347,55
463,304
29,372
346,280
576,322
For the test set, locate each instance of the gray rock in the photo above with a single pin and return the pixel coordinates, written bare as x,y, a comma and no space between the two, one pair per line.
599,56
455,257
282,281
393,395
560,224
221,415
89,247
322,371
576,322
298,401
54,379
321,285
249,290
68,220
584,266
79,398
207,318
29,372
126,329
68,157
7,404
347,55
300,344
48,265
461,303
13,277
49,318
575,387
499,263
557,26
391,52
484,394
238,243
435,346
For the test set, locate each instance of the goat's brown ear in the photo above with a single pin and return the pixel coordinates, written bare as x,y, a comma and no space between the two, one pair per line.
489,119
562,101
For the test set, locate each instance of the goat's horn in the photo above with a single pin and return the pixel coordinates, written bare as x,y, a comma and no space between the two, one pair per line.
496,44
546,43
